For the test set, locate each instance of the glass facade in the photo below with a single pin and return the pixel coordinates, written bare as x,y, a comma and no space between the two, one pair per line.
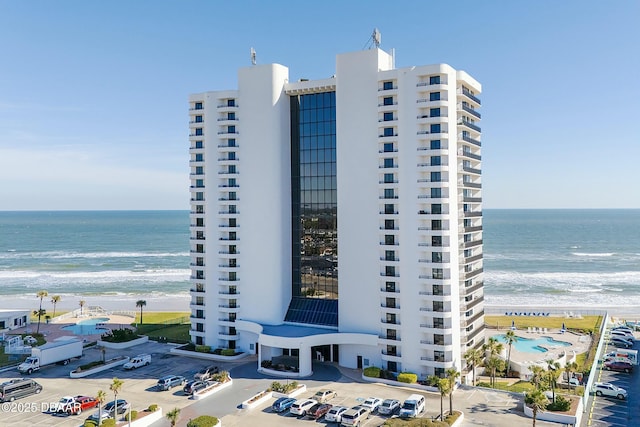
314,210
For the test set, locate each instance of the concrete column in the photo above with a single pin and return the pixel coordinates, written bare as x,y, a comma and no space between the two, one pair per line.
305,361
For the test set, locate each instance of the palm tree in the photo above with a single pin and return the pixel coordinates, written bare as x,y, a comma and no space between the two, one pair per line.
537,401
494,364
173,415
101,396
452,375
510,338
537,374
81,303
569,368
141,303
444,387
551,367
40,312
474,357
55,300
115,387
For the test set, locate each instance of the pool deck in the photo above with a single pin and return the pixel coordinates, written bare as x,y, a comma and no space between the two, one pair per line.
579,344
54,329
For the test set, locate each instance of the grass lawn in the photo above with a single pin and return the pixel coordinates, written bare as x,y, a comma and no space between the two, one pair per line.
586,324
174,326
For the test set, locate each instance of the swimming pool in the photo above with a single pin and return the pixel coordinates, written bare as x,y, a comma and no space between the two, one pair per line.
528,345
88,326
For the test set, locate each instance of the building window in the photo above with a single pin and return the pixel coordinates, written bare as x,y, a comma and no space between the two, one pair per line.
389,209
231,116
436,208
390,302
436,193
388,147
388,132
198,106
389,271
388,163
232,169
232,223
232,209
435,128
436,224
437,290
392,366
232,155
438,322
437,273
436,257
389,239
198,119
391,334
434,96
390,255
200,327
434,144
434,80
232,195
436,160
438,306
231,102
232,235
388,178
388,117
232,142
389,224
390,286
199,157
387,100
199,132
231,129
436,177
390,318
387,85
389,193
199,144
436,241
199,170
434,112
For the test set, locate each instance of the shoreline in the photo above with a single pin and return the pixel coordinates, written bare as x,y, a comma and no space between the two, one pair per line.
180,302
120,302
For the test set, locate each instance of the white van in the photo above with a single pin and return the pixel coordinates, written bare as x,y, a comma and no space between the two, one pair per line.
413,406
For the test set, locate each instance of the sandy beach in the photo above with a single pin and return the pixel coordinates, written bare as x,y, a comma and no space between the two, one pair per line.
122,302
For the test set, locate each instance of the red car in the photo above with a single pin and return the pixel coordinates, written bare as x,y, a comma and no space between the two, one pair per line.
82,403
318,410
618,366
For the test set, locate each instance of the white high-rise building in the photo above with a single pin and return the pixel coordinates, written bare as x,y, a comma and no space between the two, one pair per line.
339,219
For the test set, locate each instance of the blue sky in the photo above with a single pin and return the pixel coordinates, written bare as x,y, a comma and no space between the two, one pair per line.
93,95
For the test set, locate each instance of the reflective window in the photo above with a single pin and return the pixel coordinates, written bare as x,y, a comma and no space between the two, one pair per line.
434,96
387,100
434,112
387,117
387,85
434,80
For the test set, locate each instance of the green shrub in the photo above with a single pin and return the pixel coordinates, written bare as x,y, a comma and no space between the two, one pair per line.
89,423
203,421
90,365
203,348
283,388
153,407
266,363
120,335
408,377
134,415
561,404
109,422
372,372
228,352
221,377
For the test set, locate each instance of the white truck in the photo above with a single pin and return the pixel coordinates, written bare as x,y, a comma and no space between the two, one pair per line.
138,361
623,355
54,352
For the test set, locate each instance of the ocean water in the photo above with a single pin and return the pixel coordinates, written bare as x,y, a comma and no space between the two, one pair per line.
93,253
531,257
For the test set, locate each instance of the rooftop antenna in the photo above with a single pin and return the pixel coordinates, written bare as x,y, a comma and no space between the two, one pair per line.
253,56
374,39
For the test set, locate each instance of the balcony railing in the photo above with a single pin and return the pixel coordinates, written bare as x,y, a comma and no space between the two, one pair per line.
471,111
471,140
471,96
470,125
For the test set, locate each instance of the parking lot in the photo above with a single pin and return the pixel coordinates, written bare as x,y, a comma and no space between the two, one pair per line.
481,407
611,412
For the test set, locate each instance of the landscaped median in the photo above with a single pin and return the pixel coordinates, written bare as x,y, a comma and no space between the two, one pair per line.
98,366
277,389
220,380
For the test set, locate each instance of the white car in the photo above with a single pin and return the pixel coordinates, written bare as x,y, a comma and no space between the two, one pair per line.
389,407
302,406
335,414
623,329
371,404
607,389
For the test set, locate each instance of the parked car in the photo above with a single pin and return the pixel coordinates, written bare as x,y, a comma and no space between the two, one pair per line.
193,386
389,407
324,395
606,389
318,410
282,404
206,373
334,415
75,405
300,407
618,366
354,416
623,329
622,334
108,410
170,381
621,342
371,404
138,361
